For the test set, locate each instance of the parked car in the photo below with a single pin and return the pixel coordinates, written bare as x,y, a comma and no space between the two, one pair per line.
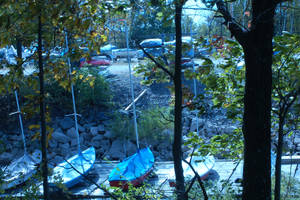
151,43
187,63
187,50
201,51
122,53
95,61
8,55
107,51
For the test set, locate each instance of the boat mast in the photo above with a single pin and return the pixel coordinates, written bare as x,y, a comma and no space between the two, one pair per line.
131,88
20,120
194,80
73,98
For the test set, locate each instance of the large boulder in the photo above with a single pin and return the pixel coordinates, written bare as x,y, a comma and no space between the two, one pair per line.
74,142
297,140
57,159
94,130
71,133
102,147
298,148
59,136
116,151
100,116
130,148
101,129
64,149
81,128
66,123
109,135
97,138
87,136
167,133
6,158
52,143
166,155
193,126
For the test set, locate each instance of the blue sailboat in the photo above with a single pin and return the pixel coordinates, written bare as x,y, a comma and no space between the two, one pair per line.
71,170
134,169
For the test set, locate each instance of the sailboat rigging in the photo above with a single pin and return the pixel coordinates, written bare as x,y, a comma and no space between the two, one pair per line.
83,161
23,168
134,169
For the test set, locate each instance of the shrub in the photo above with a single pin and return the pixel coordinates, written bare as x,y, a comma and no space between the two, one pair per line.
90,88
151,124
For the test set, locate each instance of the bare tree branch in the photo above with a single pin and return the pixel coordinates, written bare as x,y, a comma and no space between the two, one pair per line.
157,64
198,179
90,180
235,29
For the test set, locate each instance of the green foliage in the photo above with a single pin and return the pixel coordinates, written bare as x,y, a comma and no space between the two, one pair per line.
151,19
145,192
286,72
151,124
289,187
286,84
223,190
151,73
29,191
226,145
92,89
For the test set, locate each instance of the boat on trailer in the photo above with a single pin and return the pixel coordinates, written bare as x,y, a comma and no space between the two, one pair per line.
133,170
202,165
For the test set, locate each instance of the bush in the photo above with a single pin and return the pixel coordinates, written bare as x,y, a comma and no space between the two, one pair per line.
90,88
151,124
289,187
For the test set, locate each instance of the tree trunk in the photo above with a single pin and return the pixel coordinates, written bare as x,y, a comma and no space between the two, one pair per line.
257,103
177,151
42,114
278,159
19,50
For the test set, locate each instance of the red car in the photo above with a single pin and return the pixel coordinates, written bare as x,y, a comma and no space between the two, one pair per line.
95,61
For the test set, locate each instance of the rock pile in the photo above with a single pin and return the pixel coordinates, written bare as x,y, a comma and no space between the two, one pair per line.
63,142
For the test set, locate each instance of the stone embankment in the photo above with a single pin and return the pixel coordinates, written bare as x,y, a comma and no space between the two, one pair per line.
63,142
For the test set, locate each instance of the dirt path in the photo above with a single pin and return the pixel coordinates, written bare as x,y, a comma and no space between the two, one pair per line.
156,95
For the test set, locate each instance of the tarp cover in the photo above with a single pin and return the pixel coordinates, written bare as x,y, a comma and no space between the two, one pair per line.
149,43
20,170
133,167
65,170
